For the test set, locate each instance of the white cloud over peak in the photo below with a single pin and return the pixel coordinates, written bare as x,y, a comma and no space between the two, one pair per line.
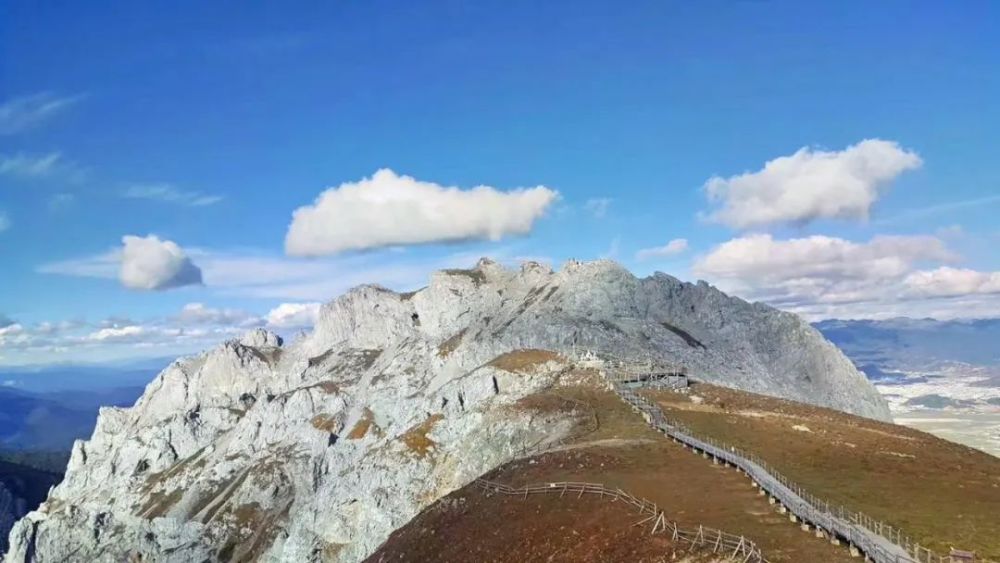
25,112
388,209
148,263
810,184
293,315
804,273
952,282
168,193
672,248
196,326
200,314
761,257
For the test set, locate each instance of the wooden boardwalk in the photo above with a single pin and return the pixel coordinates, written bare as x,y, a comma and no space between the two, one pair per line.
875,540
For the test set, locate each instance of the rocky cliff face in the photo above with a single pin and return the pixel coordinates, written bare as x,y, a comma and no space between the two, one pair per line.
316,450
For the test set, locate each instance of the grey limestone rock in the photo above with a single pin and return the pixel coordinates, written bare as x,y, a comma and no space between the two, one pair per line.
316,450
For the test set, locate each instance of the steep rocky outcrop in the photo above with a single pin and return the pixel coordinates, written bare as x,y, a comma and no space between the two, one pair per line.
317,450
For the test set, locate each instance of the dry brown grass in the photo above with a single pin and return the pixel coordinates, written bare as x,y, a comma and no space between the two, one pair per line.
523,361
317,360
324,422
942,494
328,387
477,277
220,494
448,346
417,439
158,503
470,525
363,425
602,414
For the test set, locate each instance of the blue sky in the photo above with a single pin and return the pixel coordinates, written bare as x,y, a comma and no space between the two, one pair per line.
208,126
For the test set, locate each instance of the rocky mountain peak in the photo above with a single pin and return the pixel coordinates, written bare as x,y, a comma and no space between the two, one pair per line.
317,449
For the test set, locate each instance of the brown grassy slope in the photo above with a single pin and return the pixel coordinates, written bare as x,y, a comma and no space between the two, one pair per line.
942,494
615,447
470,525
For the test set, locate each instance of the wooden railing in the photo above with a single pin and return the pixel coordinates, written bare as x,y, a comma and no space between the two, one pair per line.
733,547
879,541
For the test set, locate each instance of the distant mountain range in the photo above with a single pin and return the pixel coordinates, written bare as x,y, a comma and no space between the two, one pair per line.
51,421
942,377
912,343
45,408
81,377
22,489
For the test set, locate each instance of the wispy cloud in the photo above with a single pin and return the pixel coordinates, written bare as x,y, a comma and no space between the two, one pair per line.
169,193
4,221
30,166
612,252
908,215
262,275
598,206
26,112
196,326
826,277
672,248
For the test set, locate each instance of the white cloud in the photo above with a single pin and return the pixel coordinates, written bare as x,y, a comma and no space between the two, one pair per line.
761,257
129,333
388,209
105,265
598,206
672,248
10,328
818,272
809,185
25,112
195,327
293,315
149,263
4,221
170,194
922,213
13,335
260,275
951,282
612,252
30,166
200,314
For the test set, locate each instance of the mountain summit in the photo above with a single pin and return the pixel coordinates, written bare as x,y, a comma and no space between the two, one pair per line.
318,449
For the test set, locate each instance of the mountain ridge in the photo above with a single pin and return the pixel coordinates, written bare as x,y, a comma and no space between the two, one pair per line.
317,449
